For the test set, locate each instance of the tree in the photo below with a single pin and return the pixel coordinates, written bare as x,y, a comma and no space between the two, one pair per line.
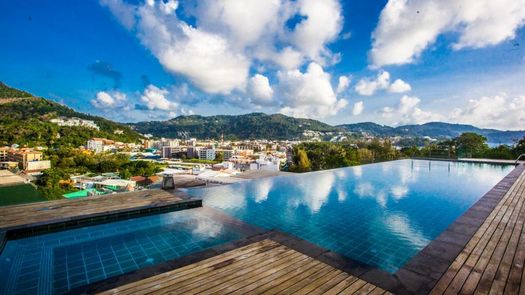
301,161
471,144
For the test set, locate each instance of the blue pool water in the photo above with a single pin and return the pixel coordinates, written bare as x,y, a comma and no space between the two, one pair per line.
380,214
57,262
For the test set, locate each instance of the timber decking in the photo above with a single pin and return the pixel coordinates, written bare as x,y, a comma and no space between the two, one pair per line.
36,214
264,267
493,260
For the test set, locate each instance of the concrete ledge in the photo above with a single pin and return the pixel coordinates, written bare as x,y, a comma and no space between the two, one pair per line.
60,224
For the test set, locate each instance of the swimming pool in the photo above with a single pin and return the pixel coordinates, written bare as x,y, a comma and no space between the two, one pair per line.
379,214
58,262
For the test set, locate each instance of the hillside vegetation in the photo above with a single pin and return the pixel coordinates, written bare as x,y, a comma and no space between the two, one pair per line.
24,120
249,126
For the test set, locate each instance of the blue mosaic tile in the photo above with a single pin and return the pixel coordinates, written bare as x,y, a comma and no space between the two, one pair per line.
94,253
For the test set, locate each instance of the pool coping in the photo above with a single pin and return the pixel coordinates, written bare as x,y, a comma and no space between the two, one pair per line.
417,276
65,223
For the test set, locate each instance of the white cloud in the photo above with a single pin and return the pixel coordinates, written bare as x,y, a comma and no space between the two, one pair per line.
344,82
155,99
229,39
408,112
260,89
288,58
322,25
358,108
109,100
407,28
493,112
369,86
399,86
308,94
204,58
124,13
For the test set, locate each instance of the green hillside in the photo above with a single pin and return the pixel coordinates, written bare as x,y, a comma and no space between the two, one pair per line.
24,120
248,126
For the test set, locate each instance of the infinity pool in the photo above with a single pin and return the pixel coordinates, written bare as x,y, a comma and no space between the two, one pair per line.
58,262
380,214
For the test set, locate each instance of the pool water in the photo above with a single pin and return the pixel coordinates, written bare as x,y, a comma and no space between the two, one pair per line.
58,262
380,214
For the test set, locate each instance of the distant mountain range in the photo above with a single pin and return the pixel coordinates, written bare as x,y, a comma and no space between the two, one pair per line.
24,119
248,126
437,130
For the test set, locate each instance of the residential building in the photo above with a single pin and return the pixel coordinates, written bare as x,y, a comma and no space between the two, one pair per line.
64,121
95,144
4,154
207,154
29,160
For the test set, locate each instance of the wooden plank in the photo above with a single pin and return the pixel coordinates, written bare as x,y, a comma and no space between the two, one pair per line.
243,252
177,278
279,289
249,281
492,261
232,280
343,285
330,284
20,215
318,282
458,272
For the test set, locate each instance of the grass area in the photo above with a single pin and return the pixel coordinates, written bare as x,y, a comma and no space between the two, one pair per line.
19,194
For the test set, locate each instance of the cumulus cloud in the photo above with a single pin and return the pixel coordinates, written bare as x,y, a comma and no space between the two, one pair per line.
399,86
109,100
260,89
358,108
322,24
230,39
369,86
124,13
408,112
155,99
308,94
407,28
344,82
499,111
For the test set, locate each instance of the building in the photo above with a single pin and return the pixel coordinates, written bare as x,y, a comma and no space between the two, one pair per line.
227,154
169,152
207,154
192,151
95,144
28,160
64,121
4,154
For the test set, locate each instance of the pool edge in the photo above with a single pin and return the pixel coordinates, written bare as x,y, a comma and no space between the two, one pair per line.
417,276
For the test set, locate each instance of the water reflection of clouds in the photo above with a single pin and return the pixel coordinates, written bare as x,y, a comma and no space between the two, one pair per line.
206,227
262,189
315,190
401,227
227,196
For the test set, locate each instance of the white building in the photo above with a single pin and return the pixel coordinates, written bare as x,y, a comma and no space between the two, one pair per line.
64,121
270,163
207,154
96,145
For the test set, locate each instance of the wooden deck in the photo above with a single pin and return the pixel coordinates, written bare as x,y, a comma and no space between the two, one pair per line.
62,210
493,260
264,267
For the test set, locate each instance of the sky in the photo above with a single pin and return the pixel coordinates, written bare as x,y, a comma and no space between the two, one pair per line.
391,62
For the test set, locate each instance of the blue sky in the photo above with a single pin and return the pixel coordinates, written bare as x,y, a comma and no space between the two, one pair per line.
392,62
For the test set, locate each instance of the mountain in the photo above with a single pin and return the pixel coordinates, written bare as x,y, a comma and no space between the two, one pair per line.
25,120
437,130
248,126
